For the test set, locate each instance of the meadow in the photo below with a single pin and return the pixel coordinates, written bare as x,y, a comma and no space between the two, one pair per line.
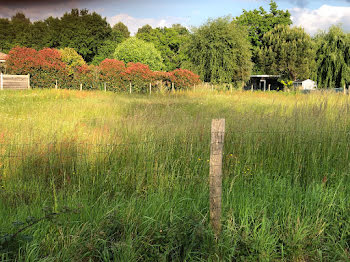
120,177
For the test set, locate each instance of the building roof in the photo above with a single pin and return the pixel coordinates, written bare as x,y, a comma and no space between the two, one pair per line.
3,56
266,76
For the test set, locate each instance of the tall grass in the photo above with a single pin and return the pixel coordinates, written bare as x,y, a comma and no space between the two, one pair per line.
136,169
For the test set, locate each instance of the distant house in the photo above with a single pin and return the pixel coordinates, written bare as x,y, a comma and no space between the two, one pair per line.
264,83
307,84
3,58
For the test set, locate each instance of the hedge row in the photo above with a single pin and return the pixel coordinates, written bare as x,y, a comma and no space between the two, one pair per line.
46,66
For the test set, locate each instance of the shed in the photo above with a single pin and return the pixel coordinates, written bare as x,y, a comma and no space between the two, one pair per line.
264,82
3,58
307,84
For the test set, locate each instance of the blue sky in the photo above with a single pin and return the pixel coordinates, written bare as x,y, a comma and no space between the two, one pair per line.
311,14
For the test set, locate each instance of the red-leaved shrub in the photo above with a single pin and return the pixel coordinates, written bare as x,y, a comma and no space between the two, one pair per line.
139,75
183,78
111,72
44,66
87,75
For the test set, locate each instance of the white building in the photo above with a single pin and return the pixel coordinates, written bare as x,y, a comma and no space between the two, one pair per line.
307,84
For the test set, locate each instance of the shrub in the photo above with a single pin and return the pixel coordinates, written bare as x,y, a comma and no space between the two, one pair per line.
44,66
71,58
87,75
183,79
138,51
139,75
111,72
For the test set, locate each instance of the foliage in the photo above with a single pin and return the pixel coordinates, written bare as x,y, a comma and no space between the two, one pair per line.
120,32
88,76
259,22
184,79
333,58
139,75
44,66
288,84
136,50
168,41
288,52
219,52
71,58
111,72
84,32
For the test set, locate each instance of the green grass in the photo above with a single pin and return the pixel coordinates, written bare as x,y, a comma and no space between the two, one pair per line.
134,168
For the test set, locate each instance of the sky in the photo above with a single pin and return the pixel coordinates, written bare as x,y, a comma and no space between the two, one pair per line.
313,15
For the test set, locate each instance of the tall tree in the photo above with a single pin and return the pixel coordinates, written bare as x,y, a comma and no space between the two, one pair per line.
120,32
7,37
136,50
259,22
168,41
39,35
333,58
20,27
219,51
84,32
288,52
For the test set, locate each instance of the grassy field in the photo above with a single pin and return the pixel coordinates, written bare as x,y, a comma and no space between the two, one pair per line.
125,177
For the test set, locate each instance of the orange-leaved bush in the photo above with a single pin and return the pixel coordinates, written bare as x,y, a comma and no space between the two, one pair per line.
44,66
139,75
111,73
87,75
183,78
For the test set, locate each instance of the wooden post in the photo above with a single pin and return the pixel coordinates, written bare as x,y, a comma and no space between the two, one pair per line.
1,81
212,87
56,86
344,89
252,88
130,87
105,86
150,88
81,87
215,173
194,88
172,87
28,81
269,87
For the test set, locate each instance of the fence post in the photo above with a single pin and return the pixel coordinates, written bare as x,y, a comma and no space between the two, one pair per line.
28,81
344,89
81,87
172,87
150,88
252,88
1,81
56,86
105,86
130,87
269,87
215,173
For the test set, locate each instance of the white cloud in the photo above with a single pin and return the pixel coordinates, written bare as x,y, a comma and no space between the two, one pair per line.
134,23
321,18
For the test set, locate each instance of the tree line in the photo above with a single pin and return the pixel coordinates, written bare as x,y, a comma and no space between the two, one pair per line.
223,50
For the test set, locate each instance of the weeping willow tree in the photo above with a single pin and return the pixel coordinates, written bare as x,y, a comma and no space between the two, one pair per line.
333,58
287,51
219,51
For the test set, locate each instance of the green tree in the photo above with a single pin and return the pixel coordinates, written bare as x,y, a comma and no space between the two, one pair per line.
259,22
84,32
136,50
333,58
71,58
39,35
288,52
20,27
168,41
219,51
120,32
7,37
